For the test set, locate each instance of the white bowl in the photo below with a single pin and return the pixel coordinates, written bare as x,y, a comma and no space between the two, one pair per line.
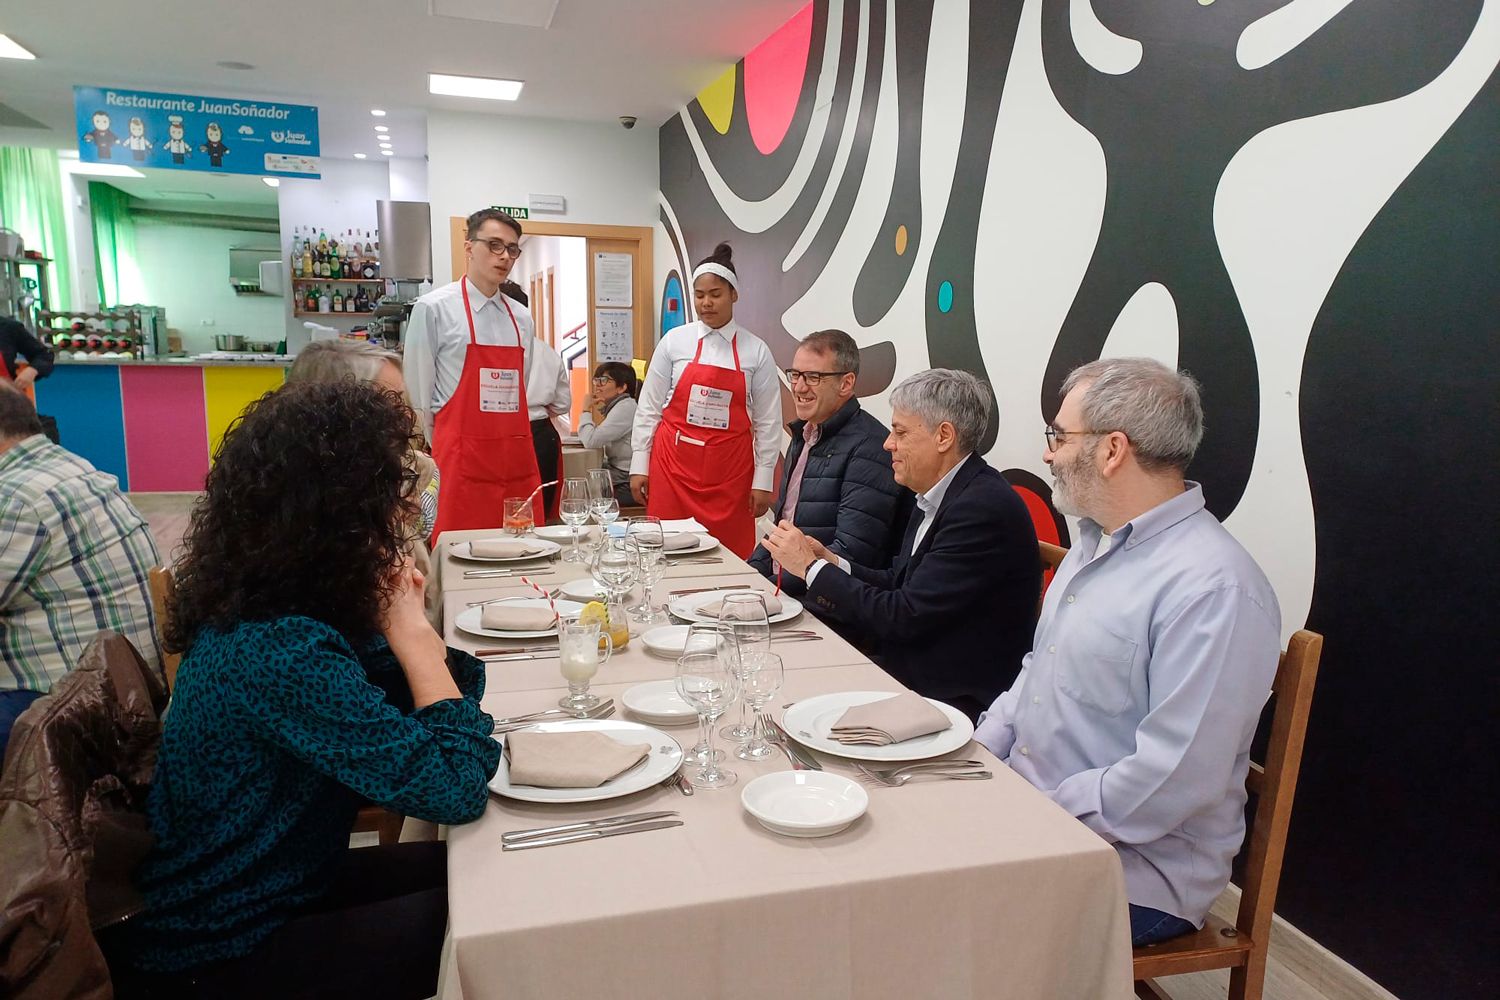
804,803
658,703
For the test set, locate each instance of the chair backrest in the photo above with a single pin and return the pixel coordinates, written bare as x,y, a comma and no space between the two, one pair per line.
1275,783
1052,557
160,580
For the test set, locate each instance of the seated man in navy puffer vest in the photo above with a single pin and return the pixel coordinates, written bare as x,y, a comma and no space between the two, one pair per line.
837,484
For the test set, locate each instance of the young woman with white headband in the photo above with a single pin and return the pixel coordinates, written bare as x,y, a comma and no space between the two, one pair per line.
708,424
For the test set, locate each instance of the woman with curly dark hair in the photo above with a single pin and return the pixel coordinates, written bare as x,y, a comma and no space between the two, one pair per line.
311,681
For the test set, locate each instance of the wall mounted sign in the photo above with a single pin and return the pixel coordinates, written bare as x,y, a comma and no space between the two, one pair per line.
615,335
139,128
613,274
547,203
515,212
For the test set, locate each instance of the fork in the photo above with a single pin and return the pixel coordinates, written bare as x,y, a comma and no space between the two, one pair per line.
898,778
774,735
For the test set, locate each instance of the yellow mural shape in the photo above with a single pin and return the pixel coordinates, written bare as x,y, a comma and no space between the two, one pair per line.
900,240
227,391
717,101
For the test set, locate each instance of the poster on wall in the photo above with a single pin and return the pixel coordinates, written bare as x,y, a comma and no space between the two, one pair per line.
615,338
138,128
613,274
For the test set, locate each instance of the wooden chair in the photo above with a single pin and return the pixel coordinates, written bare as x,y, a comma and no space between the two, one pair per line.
1241,947
370,818
1052,557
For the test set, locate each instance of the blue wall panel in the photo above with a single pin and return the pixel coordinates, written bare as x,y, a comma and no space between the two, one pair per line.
90,420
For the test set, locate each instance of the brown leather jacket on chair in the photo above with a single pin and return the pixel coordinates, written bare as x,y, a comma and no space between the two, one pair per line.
72,821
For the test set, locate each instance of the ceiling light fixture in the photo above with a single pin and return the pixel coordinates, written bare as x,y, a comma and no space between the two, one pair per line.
377,112
98,169
387,152
473,86
12,49
234,64
274,182
359,156
382,128
385,145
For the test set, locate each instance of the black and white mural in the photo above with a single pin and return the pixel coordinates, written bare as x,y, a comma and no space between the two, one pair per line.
1295,200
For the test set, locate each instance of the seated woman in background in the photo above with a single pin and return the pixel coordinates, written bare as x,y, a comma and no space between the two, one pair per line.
607,423
330,360
311,681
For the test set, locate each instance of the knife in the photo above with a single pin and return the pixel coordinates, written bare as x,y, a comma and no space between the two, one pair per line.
517,649
484,574
794,747
705,590
548,831
512,657
595,833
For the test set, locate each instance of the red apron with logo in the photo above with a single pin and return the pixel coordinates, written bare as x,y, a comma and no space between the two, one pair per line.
481,438
703,455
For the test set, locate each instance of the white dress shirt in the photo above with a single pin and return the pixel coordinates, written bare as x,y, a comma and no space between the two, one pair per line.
1135,708
674,352
437,340
928,503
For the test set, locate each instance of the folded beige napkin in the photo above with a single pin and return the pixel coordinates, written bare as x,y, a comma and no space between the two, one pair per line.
500,548
681,540
891,720
569,760
508,618
773,607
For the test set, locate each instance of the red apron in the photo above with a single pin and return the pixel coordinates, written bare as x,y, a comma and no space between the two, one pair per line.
703,455
481,438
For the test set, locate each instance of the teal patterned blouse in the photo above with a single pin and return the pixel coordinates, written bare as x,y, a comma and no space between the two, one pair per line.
277,731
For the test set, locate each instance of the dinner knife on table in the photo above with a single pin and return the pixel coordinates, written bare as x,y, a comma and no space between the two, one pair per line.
595,833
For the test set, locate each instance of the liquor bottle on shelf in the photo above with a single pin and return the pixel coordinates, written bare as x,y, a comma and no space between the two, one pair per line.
307,259
323,240
325,301
310,303
338,301
335,269
297,254
361,301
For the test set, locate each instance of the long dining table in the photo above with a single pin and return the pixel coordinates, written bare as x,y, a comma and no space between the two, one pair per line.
943,889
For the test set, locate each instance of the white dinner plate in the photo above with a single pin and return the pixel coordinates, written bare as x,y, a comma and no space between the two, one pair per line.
658,703
686,607
460,550
663,761
706,543
804,803
468,619
666,640
810,721
560,533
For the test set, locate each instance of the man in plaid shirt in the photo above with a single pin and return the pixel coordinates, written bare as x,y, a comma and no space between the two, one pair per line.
74,555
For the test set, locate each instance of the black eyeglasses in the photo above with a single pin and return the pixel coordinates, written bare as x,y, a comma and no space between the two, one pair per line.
603,380
498,247
813,379
1052,432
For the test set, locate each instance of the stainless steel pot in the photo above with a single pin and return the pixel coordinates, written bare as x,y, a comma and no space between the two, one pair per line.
228,342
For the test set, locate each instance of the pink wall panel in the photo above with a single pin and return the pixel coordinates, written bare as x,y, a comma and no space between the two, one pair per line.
166,432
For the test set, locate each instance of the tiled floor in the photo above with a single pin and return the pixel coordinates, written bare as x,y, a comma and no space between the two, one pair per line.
169,513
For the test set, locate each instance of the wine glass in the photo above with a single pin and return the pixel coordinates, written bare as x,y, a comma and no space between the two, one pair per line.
717,640
759,686
575,513
601,484
605,511
745,613
578,646
707,682
646,535
614,567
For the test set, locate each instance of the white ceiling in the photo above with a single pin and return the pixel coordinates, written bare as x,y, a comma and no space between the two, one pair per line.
594,61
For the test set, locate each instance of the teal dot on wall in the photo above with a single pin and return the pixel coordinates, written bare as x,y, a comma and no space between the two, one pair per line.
945,296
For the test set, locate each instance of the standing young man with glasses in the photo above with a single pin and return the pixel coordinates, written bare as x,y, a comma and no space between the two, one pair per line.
837,486
485,387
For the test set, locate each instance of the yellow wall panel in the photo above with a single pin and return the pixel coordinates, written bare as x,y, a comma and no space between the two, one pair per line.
227,391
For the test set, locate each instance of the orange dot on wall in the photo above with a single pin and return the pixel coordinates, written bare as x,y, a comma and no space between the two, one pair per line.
900,240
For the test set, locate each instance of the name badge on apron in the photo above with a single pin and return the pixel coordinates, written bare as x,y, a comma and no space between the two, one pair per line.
500,390
709,407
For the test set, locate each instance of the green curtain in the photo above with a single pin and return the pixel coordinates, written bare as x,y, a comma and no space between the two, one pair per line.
114,246
31,203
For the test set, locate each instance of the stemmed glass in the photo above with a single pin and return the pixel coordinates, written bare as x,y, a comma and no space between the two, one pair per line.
575,513
602,503
716,640
759,686
646,535
707,682
745,613
614,567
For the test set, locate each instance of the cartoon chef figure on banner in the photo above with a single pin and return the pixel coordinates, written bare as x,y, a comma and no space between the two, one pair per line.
103,138
137,142
176,144
214,147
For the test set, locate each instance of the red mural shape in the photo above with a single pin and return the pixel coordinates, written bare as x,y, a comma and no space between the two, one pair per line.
773,80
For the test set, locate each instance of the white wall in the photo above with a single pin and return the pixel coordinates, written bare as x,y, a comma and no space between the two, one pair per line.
185,269
408,178
344,198
608,175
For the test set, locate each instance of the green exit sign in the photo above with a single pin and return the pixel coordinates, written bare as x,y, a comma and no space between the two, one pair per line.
513,211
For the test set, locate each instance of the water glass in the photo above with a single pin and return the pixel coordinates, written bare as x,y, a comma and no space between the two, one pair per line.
646,536
716,640
614,567
758,687
606,511
518,515
575,513
745,613
578,645
707,682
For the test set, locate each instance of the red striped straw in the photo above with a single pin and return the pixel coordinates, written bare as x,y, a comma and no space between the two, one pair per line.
541,590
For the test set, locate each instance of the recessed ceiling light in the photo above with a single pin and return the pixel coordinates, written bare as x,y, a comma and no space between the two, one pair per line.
382,128
359,156
385,145
377,112
98,169
274,182
234,64
473,86
387,152
12,49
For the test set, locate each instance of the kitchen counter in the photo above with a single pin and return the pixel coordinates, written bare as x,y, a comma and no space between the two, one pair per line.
243,360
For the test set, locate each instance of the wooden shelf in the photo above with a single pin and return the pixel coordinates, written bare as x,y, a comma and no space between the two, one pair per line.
335,281
304,312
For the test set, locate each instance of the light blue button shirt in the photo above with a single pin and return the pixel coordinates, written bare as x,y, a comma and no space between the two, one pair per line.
1135,708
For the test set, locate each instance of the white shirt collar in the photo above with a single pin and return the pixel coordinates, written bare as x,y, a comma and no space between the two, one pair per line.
478,300
933,498
726,331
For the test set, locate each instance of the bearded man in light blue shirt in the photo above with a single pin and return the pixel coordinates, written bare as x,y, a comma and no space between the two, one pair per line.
1155,651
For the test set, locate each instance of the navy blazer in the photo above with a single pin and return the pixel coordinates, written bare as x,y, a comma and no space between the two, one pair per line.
953,619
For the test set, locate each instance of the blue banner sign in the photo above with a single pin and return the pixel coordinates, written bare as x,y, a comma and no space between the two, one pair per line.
138,128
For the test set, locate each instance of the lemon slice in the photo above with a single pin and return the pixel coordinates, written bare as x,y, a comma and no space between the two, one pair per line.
594,613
